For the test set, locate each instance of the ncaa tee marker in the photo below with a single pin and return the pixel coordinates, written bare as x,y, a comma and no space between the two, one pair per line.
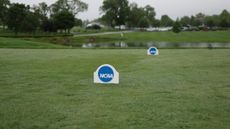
153,51
106,74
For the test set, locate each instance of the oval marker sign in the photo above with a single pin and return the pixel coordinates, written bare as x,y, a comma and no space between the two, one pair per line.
106,74
153,51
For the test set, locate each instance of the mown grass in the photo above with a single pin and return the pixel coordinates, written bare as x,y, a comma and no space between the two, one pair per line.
20,43
53,89
191,37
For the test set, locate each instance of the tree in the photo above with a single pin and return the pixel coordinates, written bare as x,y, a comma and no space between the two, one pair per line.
64,20
21,19
30,22
4,4
209,21
156,23
141,17
143,22
107,20
73,6
63,13
150,14
166,21
224,23
177,27
16,15
48,25
185,21
194,21
135,15
78,22
200,19
42,10
116,11
225,19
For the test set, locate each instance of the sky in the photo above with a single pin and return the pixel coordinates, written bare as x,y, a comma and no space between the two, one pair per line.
173,8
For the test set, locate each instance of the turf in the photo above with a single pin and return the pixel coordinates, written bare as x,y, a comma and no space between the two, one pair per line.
20,43
191,37
53,89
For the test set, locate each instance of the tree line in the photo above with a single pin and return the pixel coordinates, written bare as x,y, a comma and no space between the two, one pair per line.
61,16
24,18
120,12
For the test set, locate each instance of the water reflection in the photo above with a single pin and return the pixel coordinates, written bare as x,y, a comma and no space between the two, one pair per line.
156,44
106,45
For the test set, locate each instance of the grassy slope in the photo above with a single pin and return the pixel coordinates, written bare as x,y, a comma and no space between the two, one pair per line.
212,36
54,89
19,43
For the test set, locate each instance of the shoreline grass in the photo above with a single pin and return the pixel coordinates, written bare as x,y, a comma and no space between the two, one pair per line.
131,38
191,37
20,44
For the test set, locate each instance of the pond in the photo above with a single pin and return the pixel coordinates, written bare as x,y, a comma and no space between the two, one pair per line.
156,44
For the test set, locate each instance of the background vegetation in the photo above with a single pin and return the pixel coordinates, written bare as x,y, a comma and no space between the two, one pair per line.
61,16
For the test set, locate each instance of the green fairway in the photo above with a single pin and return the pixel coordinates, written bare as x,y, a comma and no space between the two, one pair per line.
53,89
192,37
19,43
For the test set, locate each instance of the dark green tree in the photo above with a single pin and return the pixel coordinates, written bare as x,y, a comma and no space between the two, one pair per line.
166,21
48,25
209,21
194,21
139,15
21,19
16,15
42,10
176,27
107,20
30,23
4,4
185,21
135,15
64,20
73,6
216,20
224,23
156,23
116,11
143,22
200,19
78,22
225,19
66,9
150,14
